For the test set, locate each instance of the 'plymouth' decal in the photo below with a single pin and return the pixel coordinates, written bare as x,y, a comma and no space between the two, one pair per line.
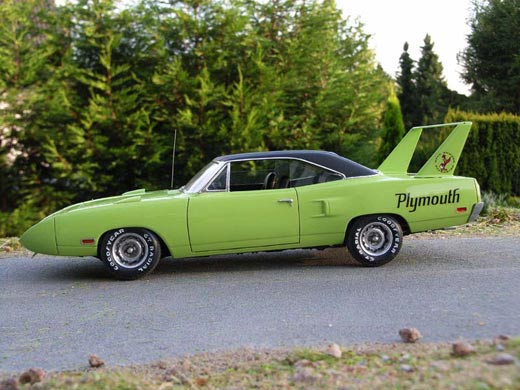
412,202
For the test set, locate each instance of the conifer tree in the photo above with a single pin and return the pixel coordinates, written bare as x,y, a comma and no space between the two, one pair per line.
431,86
331,92
26,66
393,127
407,92
491,60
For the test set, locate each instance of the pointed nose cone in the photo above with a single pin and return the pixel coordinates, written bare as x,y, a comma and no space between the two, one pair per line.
41,238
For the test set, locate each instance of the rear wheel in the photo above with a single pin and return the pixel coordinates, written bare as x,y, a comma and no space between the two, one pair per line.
130,253
374,240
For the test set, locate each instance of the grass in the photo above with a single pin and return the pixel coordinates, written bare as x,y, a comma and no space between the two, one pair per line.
498,222
393,366
9,244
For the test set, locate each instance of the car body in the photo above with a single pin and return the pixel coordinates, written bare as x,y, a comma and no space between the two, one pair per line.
265,201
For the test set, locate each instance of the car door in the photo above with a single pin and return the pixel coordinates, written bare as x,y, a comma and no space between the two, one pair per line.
243,207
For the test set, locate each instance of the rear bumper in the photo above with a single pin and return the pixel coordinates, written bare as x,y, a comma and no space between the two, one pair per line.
477,208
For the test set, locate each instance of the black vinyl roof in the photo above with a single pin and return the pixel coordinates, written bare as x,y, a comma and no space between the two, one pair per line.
326,159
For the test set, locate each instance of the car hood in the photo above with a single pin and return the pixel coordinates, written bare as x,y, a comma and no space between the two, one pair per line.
127,197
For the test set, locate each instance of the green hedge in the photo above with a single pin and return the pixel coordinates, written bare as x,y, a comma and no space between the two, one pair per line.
14,223
492,151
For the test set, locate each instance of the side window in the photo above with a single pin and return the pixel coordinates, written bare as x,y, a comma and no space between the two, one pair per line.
220,182
271,174
304,174
250,175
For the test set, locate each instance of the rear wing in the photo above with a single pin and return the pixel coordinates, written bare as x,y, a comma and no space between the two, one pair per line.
441,163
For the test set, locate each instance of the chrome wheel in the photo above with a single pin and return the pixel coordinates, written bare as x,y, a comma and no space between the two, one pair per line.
129,250
376,238
130,253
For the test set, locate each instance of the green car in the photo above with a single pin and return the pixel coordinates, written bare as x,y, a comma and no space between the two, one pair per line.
268,201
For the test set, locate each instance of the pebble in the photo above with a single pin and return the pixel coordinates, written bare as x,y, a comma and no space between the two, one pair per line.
406,368
95,361
462,348
410,335
334,351
9,384
304,363
502,359
202,381
306,375
32,376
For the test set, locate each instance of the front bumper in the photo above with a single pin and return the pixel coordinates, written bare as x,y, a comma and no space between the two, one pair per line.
41,238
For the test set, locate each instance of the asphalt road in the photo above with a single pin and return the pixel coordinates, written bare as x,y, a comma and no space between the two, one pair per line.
55,312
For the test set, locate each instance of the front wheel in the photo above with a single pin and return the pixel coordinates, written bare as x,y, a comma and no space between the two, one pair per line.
374,240
130,253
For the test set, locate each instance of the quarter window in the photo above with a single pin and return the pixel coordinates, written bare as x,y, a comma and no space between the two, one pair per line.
220,182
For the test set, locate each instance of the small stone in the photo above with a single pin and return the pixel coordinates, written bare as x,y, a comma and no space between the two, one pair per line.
161,365
306,375
385,358
440,365
502,359
304,363
406,368
410,335
404,357
462,348
9,384
186,365
503,337
170,377
95,361
499,348
32,376
202,381
165,386
334,351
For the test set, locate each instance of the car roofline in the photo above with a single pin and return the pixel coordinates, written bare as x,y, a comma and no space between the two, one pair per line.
328,160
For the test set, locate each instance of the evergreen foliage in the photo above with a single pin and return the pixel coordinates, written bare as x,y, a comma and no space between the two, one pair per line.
492,151
491,60
91,93
393,127
424,95
407,90
26,70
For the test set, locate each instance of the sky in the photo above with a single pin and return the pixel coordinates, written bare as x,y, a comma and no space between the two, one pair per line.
394,22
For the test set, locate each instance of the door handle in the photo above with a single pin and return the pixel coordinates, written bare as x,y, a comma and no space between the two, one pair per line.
286,200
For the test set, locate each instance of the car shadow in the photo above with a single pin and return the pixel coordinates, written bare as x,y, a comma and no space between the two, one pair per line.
257,261
92,270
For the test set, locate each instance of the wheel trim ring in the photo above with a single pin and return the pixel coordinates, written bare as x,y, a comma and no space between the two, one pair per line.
376,238
129,250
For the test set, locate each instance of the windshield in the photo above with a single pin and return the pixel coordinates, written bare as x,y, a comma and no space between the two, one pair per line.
201,179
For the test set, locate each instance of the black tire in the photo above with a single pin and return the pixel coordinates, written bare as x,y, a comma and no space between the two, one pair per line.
374,240
130,253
